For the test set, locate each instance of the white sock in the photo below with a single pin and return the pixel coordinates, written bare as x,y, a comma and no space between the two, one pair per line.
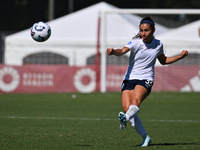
132,111
132,121
137,124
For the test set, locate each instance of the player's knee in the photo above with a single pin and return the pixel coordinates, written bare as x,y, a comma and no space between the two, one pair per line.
126,107
135,101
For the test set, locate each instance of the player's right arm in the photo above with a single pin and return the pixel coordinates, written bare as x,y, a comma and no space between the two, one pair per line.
117,52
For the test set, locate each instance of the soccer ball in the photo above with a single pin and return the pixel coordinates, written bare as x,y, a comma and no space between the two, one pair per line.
40,31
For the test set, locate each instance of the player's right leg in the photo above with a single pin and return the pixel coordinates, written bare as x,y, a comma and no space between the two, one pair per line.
122,120
125,104
130,110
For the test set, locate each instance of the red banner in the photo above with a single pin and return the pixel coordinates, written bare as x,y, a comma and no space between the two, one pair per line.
63,78
45,78
177,78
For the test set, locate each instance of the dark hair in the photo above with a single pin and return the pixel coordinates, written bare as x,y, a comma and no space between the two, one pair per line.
148,19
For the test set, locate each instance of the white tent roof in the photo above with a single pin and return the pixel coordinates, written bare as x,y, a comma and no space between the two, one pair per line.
183,38
75,31
82,25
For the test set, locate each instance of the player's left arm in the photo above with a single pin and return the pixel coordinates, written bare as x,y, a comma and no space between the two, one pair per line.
168,60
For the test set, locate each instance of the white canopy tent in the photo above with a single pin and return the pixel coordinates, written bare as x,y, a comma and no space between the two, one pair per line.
185,37
75,36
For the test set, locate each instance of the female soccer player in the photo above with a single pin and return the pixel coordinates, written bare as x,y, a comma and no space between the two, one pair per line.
138,80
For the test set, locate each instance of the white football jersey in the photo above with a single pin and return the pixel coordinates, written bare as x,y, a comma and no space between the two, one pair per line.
142,59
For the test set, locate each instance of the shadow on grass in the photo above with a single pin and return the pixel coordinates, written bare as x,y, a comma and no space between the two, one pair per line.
169,144
173,144
83,145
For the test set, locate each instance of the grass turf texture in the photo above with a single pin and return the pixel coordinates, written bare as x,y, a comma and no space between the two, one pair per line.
89,121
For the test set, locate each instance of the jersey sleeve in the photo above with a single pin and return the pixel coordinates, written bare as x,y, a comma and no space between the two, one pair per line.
160,50
130,44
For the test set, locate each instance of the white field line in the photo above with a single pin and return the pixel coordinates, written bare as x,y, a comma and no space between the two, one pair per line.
192,121
93,119
54,118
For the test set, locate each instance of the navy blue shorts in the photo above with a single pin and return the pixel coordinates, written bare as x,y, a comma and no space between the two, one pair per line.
130,84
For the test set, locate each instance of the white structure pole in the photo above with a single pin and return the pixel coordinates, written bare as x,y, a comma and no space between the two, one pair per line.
103,52
51,10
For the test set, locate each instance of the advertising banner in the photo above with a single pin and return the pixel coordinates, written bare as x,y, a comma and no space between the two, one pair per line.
47,78
63,78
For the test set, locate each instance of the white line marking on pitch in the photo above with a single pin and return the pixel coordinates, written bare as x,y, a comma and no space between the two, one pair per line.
98,119
54,118
198,121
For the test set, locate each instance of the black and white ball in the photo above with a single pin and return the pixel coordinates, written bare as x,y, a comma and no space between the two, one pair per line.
40,31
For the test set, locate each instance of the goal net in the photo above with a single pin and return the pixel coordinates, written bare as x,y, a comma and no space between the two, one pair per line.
178,29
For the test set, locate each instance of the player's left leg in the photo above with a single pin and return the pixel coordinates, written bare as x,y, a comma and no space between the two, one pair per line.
137,124
138,95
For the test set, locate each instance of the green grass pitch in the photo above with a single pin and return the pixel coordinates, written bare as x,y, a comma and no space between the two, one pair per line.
89,122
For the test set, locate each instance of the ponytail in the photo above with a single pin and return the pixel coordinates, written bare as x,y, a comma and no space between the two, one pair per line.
137,36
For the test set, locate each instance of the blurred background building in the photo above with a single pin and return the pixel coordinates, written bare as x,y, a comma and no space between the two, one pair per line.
17,15
74,41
